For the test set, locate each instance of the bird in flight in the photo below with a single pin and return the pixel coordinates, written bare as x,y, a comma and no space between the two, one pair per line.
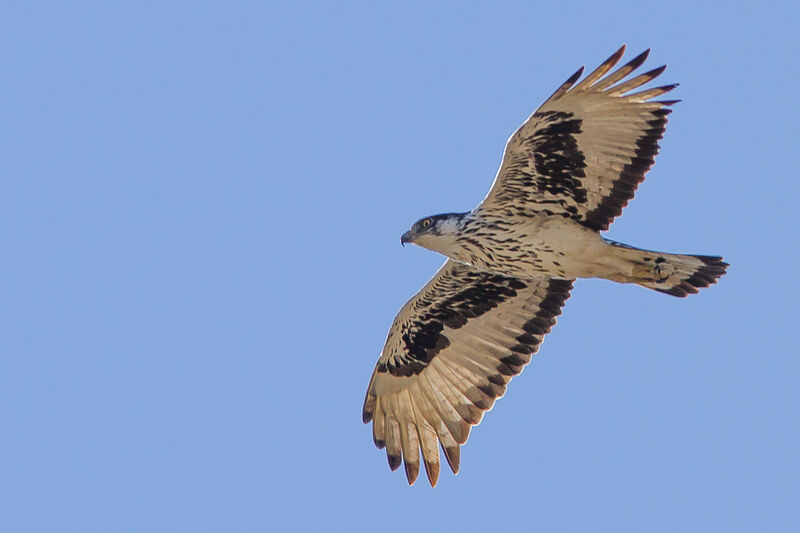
566,173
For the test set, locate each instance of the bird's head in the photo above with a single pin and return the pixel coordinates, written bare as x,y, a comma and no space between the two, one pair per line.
436,232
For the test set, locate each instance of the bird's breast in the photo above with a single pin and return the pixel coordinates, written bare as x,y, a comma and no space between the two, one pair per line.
532,247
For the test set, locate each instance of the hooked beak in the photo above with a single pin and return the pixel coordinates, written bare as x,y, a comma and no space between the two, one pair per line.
407,237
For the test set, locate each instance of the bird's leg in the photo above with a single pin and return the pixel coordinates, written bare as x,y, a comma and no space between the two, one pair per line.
652,269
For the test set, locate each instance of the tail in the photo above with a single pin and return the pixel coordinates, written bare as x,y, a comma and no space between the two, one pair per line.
675,274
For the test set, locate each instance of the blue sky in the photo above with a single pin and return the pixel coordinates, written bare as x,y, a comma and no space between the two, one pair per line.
201,211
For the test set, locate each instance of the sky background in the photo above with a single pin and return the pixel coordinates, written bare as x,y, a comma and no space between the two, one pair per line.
201,206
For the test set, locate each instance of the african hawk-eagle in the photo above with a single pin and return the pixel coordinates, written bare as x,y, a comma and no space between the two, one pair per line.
566,173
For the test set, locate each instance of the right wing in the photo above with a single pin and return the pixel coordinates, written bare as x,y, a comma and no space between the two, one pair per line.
450,352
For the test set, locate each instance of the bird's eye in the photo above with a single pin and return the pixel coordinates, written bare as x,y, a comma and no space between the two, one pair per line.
426,223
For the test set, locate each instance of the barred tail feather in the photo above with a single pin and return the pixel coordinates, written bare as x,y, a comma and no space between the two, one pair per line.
684,274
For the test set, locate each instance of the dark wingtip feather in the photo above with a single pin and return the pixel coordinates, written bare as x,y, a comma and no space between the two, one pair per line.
453,456
655,72
636,62
394,461
412,471
572,79
615,57
565,86
368,410
432,471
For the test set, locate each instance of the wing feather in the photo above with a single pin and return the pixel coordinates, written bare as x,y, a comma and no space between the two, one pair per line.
623,71
598,73
641,79
643,96
584,152
408,435
457,429
394,448
427,435
566,85
449,355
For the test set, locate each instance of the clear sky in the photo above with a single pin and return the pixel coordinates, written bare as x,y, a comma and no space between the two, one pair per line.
201,212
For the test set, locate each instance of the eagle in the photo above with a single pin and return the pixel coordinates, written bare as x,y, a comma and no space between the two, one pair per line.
566,174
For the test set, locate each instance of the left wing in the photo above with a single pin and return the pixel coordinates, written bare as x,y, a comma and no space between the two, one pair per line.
583,153
450,352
